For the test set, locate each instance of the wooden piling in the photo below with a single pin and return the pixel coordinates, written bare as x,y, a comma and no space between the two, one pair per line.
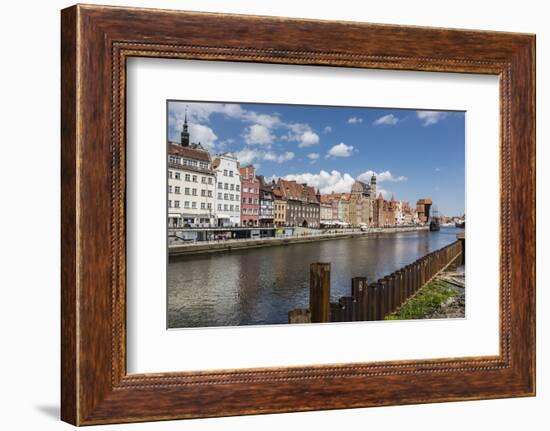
359,291
319,292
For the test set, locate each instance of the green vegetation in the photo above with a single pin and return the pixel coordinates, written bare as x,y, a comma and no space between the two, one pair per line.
427,300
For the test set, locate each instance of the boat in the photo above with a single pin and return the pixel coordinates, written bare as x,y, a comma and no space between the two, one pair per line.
460,224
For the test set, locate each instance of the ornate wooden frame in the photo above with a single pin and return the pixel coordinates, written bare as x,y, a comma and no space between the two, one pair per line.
95,42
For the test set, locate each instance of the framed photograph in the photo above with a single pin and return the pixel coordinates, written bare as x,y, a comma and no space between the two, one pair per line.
265,215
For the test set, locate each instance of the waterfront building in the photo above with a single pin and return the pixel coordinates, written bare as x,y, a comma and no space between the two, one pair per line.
227,205
302,203
326,210
279,207
191,183
423,207
266,203
250,196
343,208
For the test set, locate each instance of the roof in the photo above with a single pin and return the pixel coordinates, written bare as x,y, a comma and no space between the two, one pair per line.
424,202
188,152
294,190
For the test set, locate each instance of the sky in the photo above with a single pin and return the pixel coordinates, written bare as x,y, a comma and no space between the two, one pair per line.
415,154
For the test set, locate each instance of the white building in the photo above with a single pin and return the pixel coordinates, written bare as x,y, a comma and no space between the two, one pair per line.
191,184
227,207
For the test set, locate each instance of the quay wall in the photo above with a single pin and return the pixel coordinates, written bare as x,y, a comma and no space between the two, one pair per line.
239,244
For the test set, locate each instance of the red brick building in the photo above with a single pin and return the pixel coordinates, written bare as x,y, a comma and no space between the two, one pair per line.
250,196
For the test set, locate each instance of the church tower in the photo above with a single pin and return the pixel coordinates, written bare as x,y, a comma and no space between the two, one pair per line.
185,132
373,185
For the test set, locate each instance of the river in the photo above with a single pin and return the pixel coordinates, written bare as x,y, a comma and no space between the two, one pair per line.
259,286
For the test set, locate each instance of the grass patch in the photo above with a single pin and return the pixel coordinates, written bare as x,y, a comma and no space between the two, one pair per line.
427,300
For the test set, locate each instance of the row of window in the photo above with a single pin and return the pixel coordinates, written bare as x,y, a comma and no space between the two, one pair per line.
251,190
250,201
187,162
189,177
251,211
228,186
190,191
228,173
228,196
187,204
228,207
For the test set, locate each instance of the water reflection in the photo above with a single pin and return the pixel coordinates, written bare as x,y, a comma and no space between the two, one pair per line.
260,286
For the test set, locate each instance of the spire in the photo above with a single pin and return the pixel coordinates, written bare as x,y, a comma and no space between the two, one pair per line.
185,132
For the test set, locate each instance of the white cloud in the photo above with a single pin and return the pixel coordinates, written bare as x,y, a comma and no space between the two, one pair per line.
340,150
324,181
253,155
437,169
354,120
313,156
381,177
279,158
327,129
203,134
248,155
389,120
301,133
258,134
430,117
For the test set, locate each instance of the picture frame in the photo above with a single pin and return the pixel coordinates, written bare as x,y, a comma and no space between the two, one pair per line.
96,41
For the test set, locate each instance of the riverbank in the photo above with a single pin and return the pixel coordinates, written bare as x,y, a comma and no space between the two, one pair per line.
442,298
201,247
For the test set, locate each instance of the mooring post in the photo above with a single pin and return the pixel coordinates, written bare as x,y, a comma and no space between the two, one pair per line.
360,292
372,306
319,292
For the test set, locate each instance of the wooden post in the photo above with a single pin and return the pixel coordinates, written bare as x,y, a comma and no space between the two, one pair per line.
336,312
372,301
382,298
359,290
462,238
319,292
348,305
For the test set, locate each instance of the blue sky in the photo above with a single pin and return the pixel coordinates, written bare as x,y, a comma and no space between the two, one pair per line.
416,154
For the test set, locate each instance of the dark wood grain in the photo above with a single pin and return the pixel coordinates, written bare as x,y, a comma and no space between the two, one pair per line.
96,41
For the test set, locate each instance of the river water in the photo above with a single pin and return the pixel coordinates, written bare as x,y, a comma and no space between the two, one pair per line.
259,286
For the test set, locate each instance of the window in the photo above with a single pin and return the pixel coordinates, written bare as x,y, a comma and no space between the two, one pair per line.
230,207
187,177
231,196
220,185
169,189
209,180
225,196
194,192
236,207
203,180
177,204
237,187
194,178
187,190
219,207
193,205
209,193
225,172
232,186
173,159
230,173
186,204
225,186
203,165
244,200
203,193
250,201
209,206
203,206
219,195
177,190
225,207
169,204
170,174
